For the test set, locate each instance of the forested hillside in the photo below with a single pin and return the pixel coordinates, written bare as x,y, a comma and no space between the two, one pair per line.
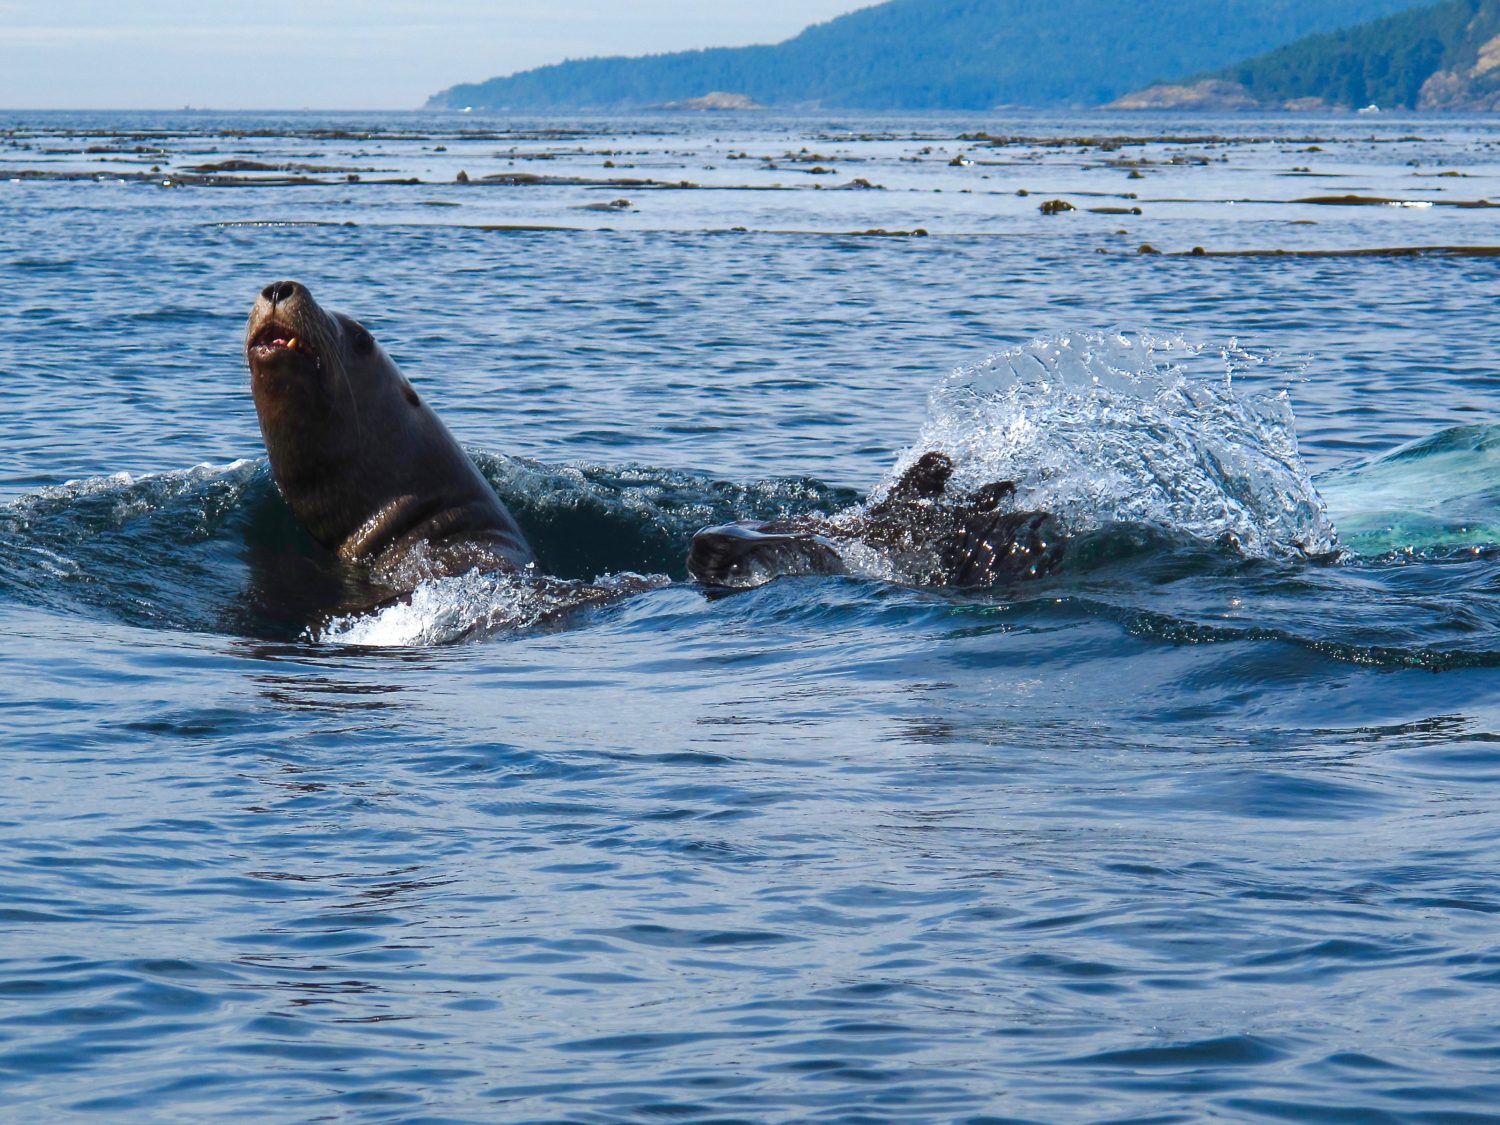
1446,56
942,54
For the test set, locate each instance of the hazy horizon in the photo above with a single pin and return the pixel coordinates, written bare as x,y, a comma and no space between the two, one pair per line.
378,55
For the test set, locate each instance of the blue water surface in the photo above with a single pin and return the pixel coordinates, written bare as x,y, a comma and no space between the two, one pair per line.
1199,827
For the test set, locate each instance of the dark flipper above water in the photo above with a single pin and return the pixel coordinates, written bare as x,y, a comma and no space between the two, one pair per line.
965,541
926,480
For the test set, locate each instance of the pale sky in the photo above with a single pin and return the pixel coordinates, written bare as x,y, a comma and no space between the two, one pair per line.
341,54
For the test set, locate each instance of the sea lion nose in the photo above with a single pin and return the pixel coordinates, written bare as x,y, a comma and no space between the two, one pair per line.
279,291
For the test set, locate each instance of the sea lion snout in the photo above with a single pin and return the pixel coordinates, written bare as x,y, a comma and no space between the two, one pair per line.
749,553
285,303
288,331
279,291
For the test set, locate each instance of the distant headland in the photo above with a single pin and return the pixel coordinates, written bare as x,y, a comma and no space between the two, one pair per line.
940,55
1444,57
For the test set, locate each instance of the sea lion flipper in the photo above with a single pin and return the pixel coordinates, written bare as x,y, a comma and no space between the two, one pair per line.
991,496
751,553
993,549
900,518
925,480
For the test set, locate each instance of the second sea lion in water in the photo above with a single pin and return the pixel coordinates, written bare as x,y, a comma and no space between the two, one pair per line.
933,538
364,464
375,477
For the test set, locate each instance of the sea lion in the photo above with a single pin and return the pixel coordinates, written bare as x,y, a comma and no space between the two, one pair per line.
364,464
930,537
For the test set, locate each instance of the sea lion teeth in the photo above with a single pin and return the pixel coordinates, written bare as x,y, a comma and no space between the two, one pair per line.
292,343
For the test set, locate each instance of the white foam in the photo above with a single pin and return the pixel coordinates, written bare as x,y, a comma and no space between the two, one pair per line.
443,610
203,472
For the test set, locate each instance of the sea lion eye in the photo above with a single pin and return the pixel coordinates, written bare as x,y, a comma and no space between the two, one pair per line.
362,341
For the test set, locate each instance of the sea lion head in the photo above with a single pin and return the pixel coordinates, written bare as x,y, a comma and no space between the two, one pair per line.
342,425
365,465
304,359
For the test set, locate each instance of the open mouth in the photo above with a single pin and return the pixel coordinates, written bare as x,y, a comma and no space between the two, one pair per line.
276,341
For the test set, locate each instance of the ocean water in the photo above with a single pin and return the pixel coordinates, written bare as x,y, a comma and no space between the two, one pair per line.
1199,827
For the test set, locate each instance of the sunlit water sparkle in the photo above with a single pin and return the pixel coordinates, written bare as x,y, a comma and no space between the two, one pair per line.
1199,826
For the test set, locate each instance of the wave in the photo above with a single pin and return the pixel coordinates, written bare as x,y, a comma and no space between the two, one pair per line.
215,549
589,520
1169,479
1433,498
157,549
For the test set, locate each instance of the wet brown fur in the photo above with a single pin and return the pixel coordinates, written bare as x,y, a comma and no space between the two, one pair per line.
365,465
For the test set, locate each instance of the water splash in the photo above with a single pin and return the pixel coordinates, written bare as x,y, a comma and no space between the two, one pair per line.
1101,428
477,604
